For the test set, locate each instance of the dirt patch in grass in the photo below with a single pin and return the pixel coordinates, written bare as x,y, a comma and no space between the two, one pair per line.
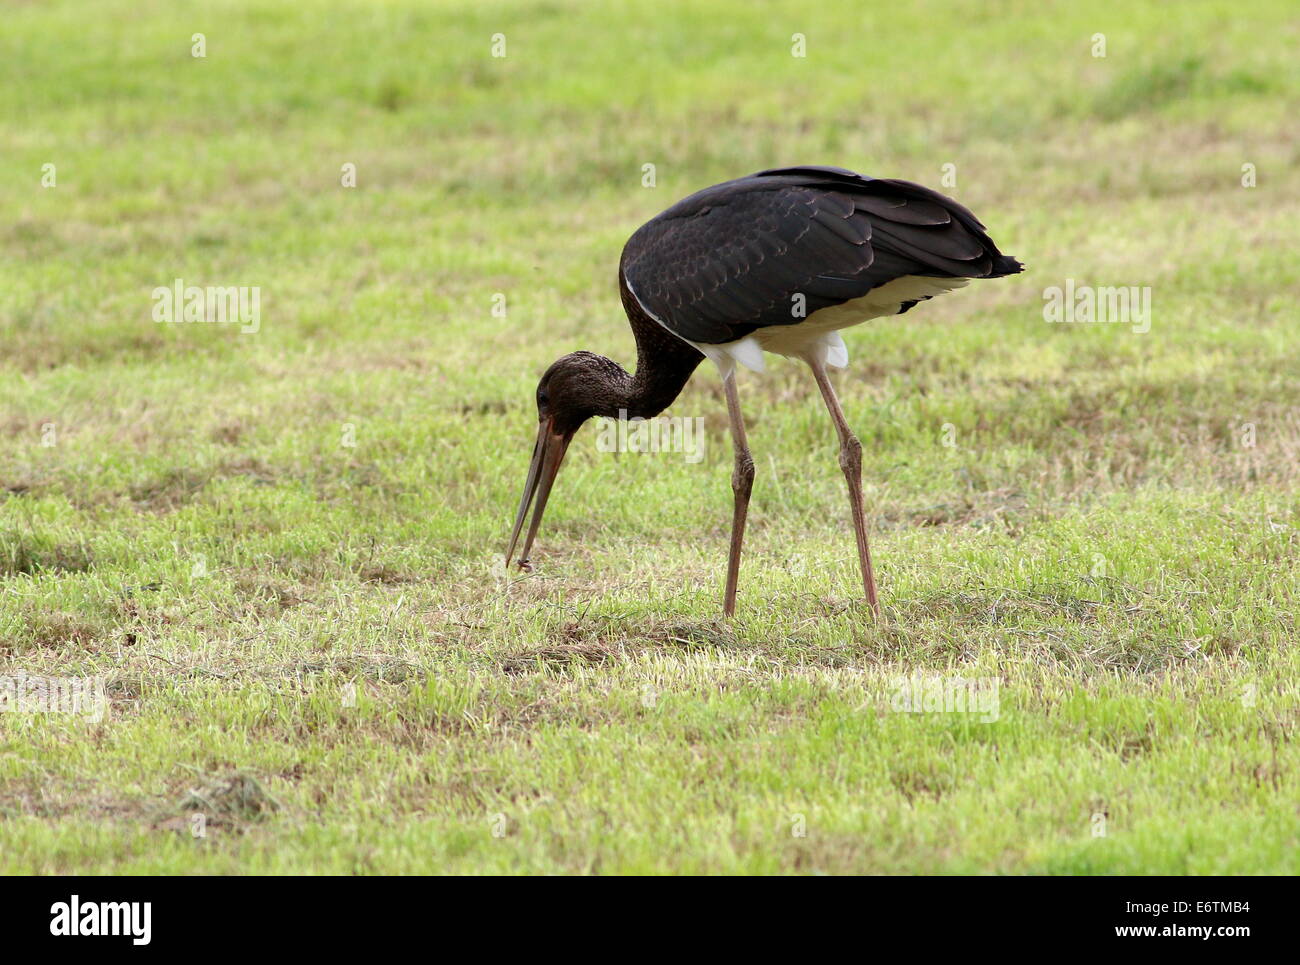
1092,624
598,640
380,669
228,433
176,487
921,783
229,802
693,634
384,574
48,796
46,629
29,553
266,596
990,606
559,656
1000,506
1134,745
169,491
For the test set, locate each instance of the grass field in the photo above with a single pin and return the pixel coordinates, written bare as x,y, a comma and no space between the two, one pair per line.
280,550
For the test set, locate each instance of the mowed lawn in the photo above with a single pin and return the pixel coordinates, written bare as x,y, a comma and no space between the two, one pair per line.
280,551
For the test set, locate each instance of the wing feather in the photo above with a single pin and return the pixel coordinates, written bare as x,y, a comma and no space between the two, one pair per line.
732,258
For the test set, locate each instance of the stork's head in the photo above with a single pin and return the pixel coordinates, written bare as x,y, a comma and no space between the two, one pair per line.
575,388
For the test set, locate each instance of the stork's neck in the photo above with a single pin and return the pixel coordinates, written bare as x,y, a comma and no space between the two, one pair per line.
664,362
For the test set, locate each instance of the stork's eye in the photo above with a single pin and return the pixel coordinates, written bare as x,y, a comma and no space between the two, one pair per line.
542,397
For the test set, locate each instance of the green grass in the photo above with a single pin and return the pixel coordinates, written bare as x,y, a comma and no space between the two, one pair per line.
315,646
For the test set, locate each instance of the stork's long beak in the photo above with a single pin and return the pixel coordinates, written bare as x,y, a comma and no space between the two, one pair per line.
548,453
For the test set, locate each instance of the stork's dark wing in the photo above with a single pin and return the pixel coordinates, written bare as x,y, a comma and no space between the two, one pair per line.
732,258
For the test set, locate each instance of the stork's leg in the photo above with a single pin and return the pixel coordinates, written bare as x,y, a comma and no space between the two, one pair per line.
851,463
742,483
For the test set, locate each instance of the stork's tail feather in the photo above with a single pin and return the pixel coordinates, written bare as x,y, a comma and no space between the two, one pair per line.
1005,265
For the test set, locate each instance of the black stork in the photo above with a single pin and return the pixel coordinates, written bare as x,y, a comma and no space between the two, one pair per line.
775,262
